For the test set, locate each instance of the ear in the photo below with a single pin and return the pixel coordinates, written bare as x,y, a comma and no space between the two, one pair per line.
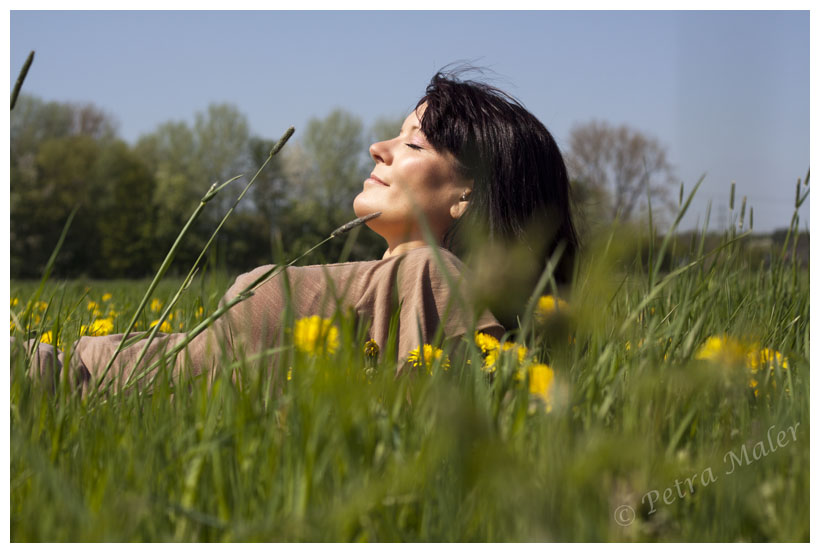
458,208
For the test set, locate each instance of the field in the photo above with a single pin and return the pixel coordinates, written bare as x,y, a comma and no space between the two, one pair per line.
661,402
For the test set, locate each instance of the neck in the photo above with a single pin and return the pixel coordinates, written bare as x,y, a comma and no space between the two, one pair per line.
403,247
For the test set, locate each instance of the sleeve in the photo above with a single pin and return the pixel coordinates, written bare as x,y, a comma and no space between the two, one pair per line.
236,330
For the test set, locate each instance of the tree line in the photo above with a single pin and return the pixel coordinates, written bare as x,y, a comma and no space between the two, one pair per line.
132,200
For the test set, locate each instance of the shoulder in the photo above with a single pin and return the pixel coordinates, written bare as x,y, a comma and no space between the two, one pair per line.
435,258
246,279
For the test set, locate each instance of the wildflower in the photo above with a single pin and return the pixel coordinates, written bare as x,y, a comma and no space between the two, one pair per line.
729,351
485,342
521,353
47,338
106,296
200,310
427,355
164,327
542,379
14,302
766,358
42,305
156,305
549,305
99,327
722,349
290,373
92,305
371,349
315,335
96,313
13,326
762,359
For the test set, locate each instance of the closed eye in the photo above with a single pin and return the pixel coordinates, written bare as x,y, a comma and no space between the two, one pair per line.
413,146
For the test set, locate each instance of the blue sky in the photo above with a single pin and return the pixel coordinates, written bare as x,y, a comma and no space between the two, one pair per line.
726,92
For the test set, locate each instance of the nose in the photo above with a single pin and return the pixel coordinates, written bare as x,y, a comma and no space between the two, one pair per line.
380,152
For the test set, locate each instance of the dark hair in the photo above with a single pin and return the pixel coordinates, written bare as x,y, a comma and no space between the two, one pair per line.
521,191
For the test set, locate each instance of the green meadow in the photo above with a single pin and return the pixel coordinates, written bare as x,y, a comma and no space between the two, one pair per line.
665,398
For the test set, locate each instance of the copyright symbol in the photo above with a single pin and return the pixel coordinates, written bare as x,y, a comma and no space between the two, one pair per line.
624,515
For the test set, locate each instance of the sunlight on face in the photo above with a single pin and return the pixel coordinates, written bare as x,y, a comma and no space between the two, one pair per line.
411,182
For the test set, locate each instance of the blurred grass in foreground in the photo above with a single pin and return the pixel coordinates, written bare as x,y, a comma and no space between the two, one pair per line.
641,401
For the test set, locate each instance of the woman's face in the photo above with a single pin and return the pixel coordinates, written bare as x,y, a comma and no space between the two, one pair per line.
410,181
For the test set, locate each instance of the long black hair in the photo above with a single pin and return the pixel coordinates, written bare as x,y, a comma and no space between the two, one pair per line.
521,191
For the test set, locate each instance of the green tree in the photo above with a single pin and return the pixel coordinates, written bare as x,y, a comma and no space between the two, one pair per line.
125,214
63,168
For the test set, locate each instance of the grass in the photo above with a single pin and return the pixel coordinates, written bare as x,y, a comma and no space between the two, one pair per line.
637,439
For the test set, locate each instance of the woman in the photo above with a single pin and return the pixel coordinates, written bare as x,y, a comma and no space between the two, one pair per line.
471,171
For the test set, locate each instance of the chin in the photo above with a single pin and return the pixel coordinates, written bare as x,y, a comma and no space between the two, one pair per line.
362,207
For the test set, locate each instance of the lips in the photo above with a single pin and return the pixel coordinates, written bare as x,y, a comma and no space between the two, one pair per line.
377,180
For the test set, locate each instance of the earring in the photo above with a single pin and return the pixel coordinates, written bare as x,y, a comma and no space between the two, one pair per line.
464,197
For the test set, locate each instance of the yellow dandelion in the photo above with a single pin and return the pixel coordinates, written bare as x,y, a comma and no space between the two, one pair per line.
722,349
92,305
489,347
371,349
47,338
549,305
485,342
42,305
200,310
164,327
106,296
315,335
766,358
99,327
542,380
96,313
14,302
427,355
156,305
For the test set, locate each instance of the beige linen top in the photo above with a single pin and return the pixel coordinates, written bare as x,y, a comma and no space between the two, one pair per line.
373,289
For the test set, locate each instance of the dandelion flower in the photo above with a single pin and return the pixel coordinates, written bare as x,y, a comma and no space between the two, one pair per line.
315,335
542,380
200,310
371,349
722,349
92,305
14,302
490,361
766,358
99,327
164,327
427,355
156,305
485,342
106,296
549,305
46,338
